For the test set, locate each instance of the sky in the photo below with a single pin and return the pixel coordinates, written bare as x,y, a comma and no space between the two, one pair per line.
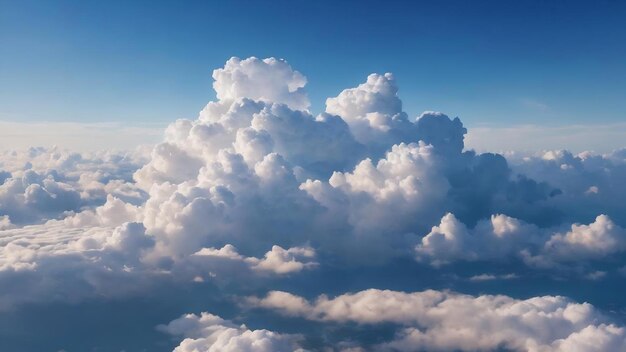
492,63
311,176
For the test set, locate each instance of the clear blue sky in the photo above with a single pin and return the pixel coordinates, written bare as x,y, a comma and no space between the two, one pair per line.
494,62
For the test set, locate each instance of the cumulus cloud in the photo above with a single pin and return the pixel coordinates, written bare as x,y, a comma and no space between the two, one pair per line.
257,189
256,161
277,261
360,183
503,238
33,197
374,111
54,262
208,332
5,222
590,184
445,321
43,184
597,240
270,80
112,213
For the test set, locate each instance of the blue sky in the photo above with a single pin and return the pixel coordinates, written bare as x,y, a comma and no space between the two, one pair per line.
491,62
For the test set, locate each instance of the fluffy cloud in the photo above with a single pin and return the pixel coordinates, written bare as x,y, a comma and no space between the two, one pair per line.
590,184
374,112
593,240
62,261
277,261
112,213
269,80
256,163
503,237
208,332
54,262
360,183
34,197
43,184
5,222
446,321
258,189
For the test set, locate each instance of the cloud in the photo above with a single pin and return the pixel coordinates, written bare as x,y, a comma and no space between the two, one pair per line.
276,261
43,184
5,222
444,321
503,238
360,183
258,193
373,111
269,80
254,159
208,332
112,213
590,184
65,261
32,197
284,261
596,241
54,262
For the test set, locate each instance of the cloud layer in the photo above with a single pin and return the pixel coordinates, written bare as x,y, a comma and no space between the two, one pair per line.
445,321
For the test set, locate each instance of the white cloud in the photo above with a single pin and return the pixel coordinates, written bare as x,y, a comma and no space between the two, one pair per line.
250,162
227,200
34,197
503,238
277,261
207,332
42,184
374,111
112,213
361,182
496,238
444,321
284,261
54,262
390,194
269,80
595,240
589,184
5,222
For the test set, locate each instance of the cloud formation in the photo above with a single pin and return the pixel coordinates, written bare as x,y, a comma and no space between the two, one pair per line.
268,80
445,321
210,333
42,184
277,261
258,194
503,237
